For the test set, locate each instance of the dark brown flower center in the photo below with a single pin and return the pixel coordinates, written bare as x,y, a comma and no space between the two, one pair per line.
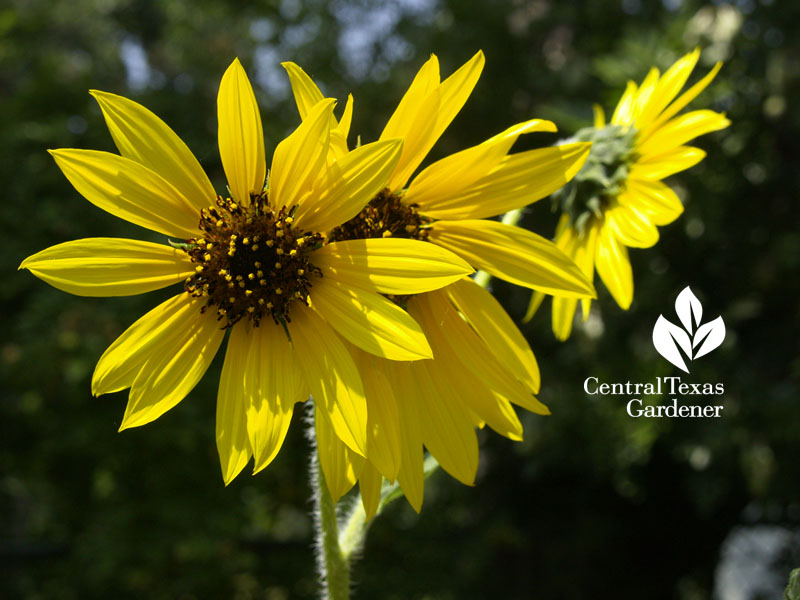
251,261
384,216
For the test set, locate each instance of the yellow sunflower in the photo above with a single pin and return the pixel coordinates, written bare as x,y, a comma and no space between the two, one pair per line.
618,200
253,263
481,362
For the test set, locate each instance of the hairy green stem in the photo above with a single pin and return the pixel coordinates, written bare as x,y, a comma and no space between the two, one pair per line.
333,567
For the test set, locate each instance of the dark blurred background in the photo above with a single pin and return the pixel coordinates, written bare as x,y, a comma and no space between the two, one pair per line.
593,503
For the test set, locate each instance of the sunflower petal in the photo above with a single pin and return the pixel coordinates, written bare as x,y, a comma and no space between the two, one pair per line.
653,198
614,267
683,129
384,439
299,158
452,175
623,113
305,91
369,484
668,86
349,184
370,321
143,137
659,166
513,254
172,368
390,265
332,376
517,181
128,190
683,100
241,136
491,322
340,465
631,227
109,266
273,382
233,444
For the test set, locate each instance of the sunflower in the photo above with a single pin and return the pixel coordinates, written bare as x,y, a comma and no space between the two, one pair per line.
618,199
252,263
481,362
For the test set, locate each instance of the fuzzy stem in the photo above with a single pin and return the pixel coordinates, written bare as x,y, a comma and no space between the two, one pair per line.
333,567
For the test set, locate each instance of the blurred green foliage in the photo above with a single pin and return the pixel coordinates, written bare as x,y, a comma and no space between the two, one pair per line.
586,503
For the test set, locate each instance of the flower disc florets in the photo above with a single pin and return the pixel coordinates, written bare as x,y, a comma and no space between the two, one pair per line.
602,176
385,216
251,261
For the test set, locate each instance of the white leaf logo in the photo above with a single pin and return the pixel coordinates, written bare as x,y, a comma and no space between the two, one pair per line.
693,339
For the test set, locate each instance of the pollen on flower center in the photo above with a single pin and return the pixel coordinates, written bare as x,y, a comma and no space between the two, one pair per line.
385,216
251,261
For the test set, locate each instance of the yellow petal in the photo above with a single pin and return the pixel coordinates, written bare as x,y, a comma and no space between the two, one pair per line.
340,465
411,476
513,254
631,226
241,137
668,87
273,382
109,266
614,267
450,336
563,317
454,174
384,439
682,101
369,321
369,484
142,136
299,158
533,306
517,181
129,190
390,265
348,185
331,375
653,198
305,91
446,428
172,368
233,445
681,130
121,362
645,94
659,166
599,116
623,114
491,322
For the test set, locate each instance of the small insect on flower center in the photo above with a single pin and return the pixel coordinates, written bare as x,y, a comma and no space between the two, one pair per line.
251,261
384,216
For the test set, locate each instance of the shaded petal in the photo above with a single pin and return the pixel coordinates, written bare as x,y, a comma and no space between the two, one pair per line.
299,158
513,254
331,375
128,190
384,435
614,267
369,484
172,367
491,322
517,181
447,430
241,136
370,321
233,444
273,382
109,266
455,173
143,137
348,185
390,265
450,335
340,465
